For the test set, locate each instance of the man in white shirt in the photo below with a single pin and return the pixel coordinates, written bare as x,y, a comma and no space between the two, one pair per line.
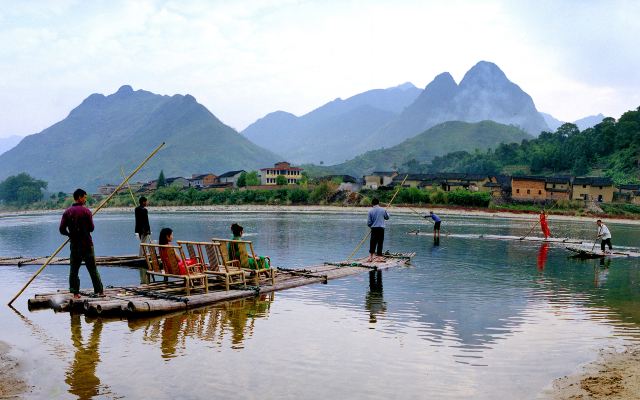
604,235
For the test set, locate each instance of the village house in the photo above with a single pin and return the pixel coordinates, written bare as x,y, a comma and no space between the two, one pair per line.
499,186
203,180
558,187
378,179
178,182
593,188
528,188
628,193
269,176
416,180
231,177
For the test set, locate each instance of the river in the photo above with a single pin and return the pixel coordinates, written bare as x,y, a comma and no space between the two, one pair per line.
469,318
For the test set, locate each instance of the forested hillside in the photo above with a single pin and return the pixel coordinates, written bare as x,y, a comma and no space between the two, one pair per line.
610,148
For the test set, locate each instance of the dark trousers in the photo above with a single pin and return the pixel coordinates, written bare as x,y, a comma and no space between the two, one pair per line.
81,253
607,242
377,239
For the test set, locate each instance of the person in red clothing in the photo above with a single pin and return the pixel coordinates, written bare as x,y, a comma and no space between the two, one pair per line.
77,223
543,224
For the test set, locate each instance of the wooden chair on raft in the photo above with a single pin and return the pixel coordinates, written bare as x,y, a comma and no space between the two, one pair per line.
193,279
244,254
210,257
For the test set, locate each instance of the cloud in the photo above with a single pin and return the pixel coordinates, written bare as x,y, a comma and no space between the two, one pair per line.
243,59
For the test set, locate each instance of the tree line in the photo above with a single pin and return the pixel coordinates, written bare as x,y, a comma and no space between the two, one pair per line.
610,146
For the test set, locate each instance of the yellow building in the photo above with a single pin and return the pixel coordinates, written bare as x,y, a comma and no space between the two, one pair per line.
558,187
378,179
528,188
593,188
269,176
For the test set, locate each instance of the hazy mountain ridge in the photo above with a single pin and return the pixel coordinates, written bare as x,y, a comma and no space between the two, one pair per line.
9,142
436,141
582,123
333,132
103,133
484,93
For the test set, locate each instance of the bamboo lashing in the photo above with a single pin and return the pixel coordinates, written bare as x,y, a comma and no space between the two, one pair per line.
369,232
102,204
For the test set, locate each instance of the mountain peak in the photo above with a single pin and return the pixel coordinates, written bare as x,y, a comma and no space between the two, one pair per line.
484,73
124,90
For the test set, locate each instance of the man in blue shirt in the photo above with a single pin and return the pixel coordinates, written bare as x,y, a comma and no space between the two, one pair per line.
375,221
436,223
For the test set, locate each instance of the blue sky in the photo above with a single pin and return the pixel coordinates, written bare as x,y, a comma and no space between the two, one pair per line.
244,59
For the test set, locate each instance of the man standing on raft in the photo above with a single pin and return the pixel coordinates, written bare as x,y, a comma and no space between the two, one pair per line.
375,221
77,223
604,235
436,223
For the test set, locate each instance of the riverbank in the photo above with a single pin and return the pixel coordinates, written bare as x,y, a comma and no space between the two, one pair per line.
315,209
11,385
614,376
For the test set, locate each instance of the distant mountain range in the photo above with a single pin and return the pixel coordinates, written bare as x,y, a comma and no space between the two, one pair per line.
441,139
9,142
334,132
582,123
89,146
365,122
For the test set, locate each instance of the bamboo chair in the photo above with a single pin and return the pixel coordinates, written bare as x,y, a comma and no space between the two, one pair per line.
193,279
213,263
245,250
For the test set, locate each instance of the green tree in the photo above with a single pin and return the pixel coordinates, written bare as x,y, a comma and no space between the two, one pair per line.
252,178
281,180
162,182
21,189
242,180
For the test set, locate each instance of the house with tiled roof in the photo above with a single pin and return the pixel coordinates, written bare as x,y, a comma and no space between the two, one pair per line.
593,188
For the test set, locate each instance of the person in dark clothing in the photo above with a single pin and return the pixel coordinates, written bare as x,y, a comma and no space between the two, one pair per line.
375,221
436,223
143,230
77,224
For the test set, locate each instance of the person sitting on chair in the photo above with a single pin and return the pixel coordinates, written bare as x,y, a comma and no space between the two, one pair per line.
234,249
166,238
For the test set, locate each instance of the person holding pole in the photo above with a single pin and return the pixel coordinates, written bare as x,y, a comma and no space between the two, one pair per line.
375,221
604,235
143,230
77,224
543,225
436,223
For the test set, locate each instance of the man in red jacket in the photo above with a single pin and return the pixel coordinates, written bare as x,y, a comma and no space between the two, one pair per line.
77,223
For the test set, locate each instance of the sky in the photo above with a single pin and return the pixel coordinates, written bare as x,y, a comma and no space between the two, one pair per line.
244,59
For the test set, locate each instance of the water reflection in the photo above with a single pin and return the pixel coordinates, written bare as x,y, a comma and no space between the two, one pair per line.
374,301
543,253
81,374
231,321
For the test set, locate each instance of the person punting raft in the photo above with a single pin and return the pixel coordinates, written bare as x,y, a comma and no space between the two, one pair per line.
375,220
604,235
436,223
543,225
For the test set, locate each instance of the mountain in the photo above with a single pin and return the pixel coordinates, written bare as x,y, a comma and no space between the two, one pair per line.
438,140
88,147
485,93
582,123
551,121
9,142
333,132
589,122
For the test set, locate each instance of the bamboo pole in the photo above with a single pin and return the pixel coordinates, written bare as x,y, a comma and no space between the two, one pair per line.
369,231
128,187
100,206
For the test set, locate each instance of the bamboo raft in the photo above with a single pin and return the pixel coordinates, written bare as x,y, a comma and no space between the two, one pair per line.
126,261
161,297
502,237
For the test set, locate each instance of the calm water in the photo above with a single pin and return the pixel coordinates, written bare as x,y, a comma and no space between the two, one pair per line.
470,318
